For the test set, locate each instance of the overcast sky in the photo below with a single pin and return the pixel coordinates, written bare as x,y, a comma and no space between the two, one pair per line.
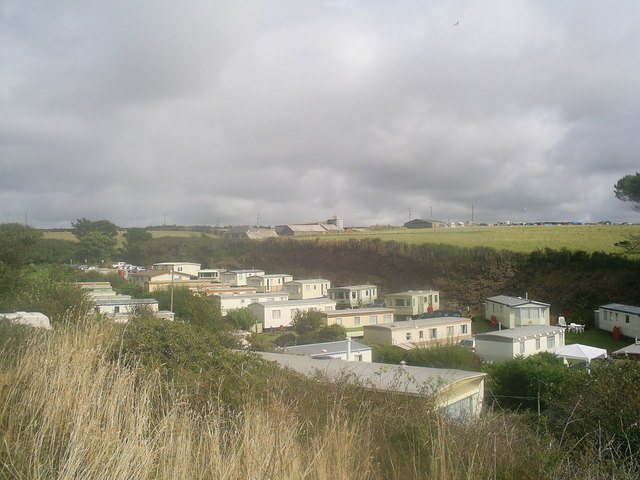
215,112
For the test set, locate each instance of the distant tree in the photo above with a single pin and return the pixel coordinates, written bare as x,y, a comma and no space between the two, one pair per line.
16,242
53,250
83,227
97,239
307,321
61,301
628,190
95,247
242,318
135,236
332,333
522,382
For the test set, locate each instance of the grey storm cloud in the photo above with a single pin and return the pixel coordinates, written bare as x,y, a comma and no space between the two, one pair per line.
216,112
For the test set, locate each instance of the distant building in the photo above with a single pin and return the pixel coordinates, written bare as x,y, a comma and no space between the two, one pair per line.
307,288
33,319
354,320
238,278
412,303
179,267
253,233
281,314
273,282
625,317
513,312
457,392
354,296
214,275
342,349
300,229
423,332
242,300
522,341
418,223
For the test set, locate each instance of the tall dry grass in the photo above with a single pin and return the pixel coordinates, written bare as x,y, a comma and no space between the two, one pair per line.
69,412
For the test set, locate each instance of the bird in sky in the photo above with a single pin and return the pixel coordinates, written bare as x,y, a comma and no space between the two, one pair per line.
457,23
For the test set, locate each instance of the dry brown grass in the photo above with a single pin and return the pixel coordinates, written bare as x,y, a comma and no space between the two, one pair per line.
67,412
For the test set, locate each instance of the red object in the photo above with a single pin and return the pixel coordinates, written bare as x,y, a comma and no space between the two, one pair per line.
494,321
430,308
616,333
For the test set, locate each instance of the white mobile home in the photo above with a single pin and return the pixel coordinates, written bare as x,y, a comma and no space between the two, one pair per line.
281,314
413,302
308,288
457,392
273,282
238,278
524,341
423,332
354,296
513,312
625,317
354,320
342,349
241,300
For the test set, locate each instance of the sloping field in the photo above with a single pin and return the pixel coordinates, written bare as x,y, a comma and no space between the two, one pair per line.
590,238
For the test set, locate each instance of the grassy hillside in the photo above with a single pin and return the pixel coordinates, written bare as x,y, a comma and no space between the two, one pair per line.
589,238
71,407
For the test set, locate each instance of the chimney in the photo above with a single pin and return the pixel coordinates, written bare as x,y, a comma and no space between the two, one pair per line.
348,348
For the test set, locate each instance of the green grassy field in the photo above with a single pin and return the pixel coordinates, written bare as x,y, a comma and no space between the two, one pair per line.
590,238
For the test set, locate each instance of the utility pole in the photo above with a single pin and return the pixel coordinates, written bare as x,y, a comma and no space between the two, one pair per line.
473,222
409,214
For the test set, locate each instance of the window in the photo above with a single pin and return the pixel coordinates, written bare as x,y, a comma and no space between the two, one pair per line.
373,319
433,333
421,335
435,298
353,295
522,347
537,344
307,287
464,329
626,318
387,318
116,309
275,314
450,331
399,302
358,357
338,321
408,335
356,320
551,342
